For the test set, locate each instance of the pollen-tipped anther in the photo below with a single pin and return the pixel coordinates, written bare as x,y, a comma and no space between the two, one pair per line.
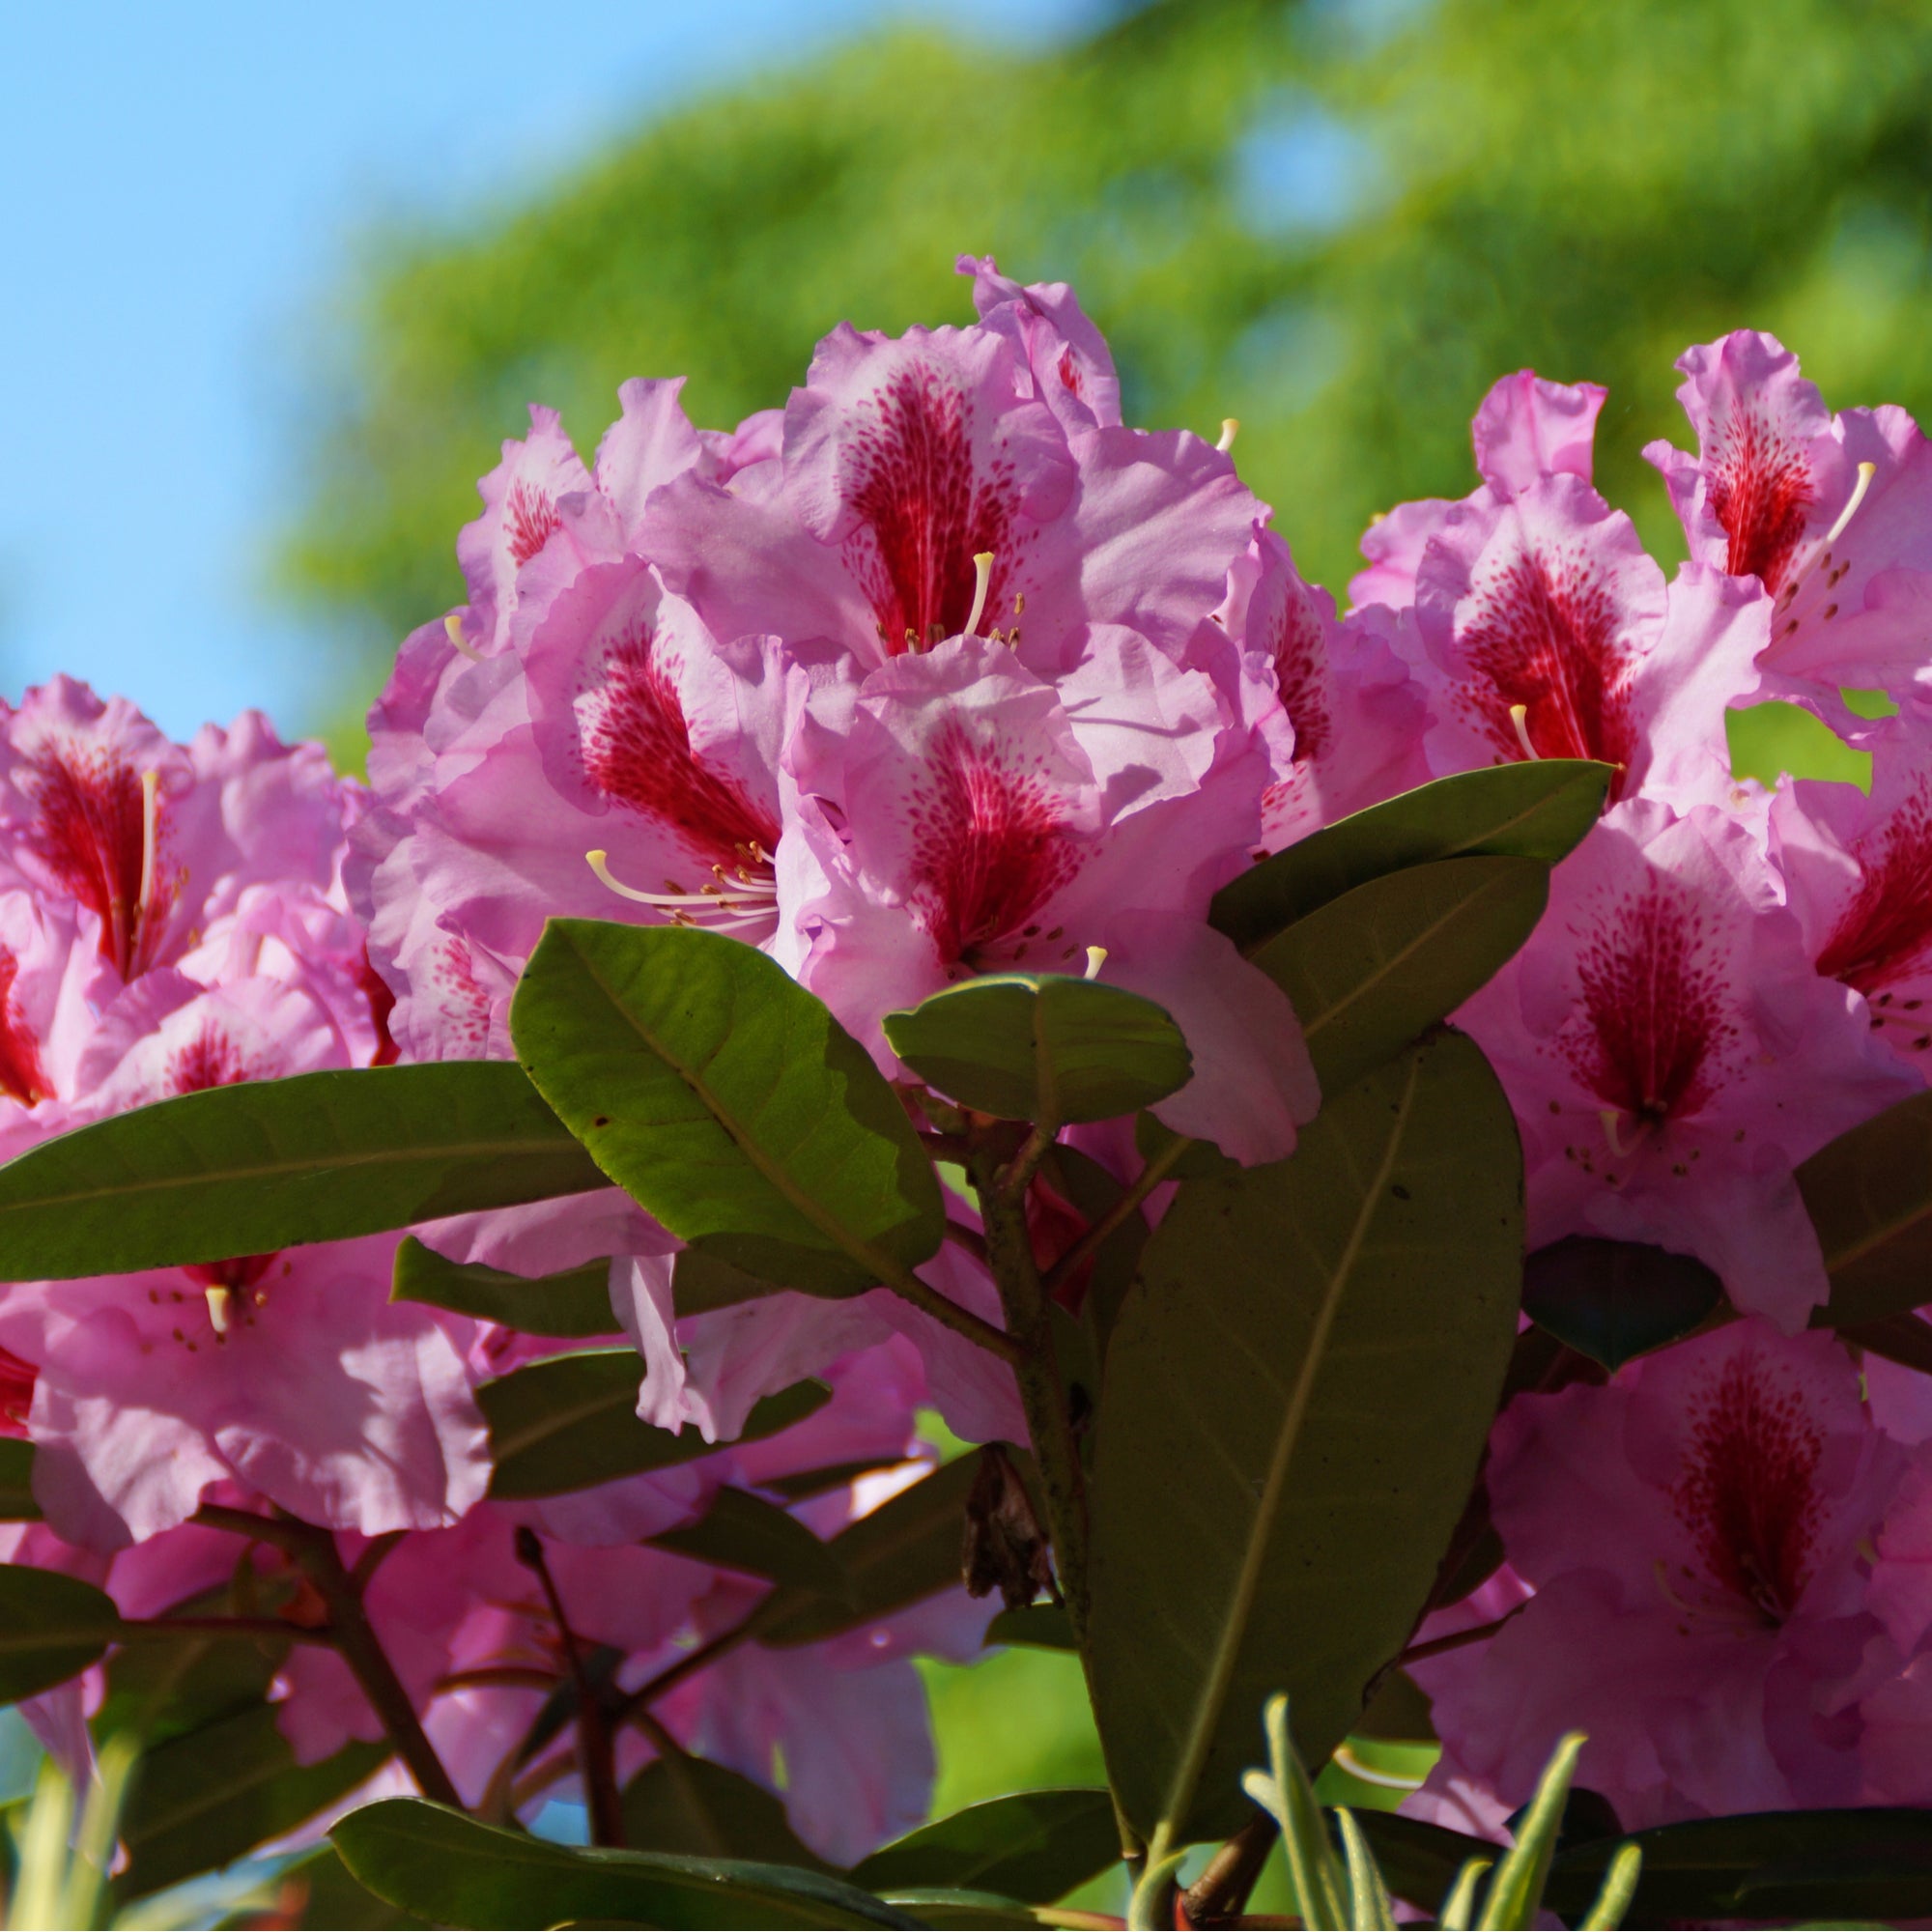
1230,428
218,1299
983,580
1520,718
1097,957
1612,1118
452,629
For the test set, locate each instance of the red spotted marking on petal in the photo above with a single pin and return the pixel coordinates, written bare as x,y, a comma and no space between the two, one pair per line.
1296,645
989,847
1748,1489
1544,636
16,1393
1071,378
529,519
636,751
462,1005
1760,487
86,830
21,1074
1657,1008
926,511
1885,932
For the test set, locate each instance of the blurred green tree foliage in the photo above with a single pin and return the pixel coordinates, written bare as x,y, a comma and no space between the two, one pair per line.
1338,220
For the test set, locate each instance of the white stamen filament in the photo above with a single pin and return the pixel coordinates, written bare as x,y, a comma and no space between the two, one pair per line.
1097,957
218,1299
983,579
1611,1117
1867,472
1520,718
452,629
728,895
1230,428
151,834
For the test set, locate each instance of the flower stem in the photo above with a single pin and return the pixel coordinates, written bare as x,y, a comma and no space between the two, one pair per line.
1056,1453
1145,1182
314,1549
949,1313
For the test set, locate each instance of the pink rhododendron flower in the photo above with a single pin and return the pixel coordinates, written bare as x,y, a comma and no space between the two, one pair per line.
1831,514
905,459
1671,1054
1546,631
962,817
1525,429
1858,872
1349,730
1696,1534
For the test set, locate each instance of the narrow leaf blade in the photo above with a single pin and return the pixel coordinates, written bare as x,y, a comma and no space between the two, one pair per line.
744,1533
1869,1196
570,1422
1527,811
454,1871
271,1164
51,1627
575,1304
1035,1846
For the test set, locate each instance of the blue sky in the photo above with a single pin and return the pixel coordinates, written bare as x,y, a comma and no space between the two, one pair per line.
183,183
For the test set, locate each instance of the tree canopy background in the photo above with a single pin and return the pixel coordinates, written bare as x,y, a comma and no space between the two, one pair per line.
1338,220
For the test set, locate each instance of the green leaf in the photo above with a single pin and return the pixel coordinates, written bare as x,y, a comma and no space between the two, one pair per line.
450,1869
1771,1865
1422,1861
1514,1897
1614,1300
1035,1846
165,1684
946,1906
1906,1339
51,1627
1368,971
327,1899
1527,811
1297,1393
572,1421
1869,1196
201,1800
744,1532
17,1482
907,1549
727,1100
270,1164
700,1283
1043,1046
801,1484
574,1303
1038,1626
692,1805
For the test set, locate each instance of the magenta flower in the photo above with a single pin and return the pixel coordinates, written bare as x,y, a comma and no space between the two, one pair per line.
1546,631
906,460
1525,429
961,817
1857,871
1696,1534
1831,514
1349,729
1671,1054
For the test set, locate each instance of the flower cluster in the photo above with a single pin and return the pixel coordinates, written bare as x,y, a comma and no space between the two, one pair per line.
1708,1556
941,671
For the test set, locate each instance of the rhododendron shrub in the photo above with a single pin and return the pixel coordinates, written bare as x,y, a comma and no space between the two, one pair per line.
1409,1181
